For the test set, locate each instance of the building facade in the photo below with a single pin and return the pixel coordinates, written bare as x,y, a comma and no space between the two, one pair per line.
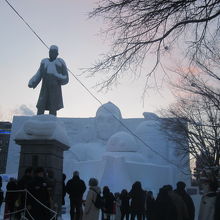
5,131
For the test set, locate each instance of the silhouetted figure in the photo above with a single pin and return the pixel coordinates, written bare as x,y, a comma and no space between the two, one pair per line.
117,206
25,180
63,189
11,197
217,207
75,187
39,189
164,206
108,197
180,190
1,193
24,184
91,212
53,73
0,182
125,206
150,205
51,183
138,197
181,209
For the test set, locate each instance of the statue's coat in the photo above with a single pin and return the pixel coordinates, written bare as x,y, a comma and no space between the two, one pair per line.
50,97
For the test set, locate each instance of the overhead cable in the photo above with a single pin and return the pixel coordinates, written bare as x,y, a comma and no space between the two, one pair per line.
130,131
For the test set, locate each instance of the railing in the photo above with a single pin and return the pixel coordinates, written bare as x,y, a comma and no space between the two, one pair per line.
24,211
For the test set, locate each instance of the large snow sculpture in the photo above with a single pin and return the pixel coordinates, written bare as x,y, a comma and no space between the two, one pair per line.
100,147
93,145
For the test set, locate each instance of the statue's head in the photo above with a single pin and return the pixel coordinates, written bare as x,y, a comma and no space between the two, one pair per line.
107,120
53,52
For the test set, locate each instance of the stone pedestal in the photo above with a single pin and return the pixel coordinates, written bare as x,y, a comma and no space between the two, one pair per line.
47,154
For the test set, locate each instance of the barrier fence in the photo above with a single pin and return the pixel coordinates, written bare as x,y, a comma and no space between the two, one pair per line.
20,207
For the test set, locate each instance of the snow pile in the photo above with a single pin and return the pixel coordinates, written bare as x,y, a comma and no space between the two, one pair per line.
123,145
121,141
42,127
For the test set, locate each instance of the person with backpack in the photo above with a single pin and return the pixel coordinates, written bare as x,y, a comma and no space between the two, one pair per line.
93,201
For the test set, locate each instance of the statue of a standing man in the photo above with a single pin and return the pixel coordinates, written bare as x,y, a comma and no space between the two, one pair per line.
54,74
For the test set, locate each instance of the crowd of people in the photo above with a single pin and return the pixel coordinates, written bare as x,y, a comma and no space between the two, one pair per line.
30,195
136,203
140,204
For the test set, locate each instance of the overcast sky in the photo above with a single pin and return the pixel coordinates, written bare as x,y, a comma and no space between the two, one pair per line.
66,24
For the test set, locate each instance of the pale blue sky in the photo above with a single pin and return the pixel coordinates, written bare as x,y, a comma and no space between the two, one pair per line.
66,24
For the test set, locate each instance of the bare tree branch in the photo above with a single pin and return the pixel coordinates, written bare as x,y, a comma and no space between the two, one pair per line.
198,104
141,28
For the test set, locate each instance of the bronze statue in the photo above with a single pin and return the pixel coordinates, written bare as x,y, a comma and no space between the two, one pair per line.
54,74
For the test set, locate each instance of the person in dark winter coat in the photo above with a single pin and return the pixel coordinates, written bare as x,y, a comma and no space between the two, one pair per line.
75,187
138,198
182,212
217,207
24,184
125,206
11,196
63,189
51,184
150,205
39,189
25,180
180,190
109,199
164,207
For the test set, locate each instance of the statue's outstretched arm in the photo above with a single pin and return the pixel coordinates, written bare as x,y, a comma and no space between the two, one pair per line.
34,81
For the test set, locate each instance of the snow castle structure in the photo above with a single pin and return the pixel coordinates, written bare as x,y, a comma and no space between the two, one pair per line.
114,150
